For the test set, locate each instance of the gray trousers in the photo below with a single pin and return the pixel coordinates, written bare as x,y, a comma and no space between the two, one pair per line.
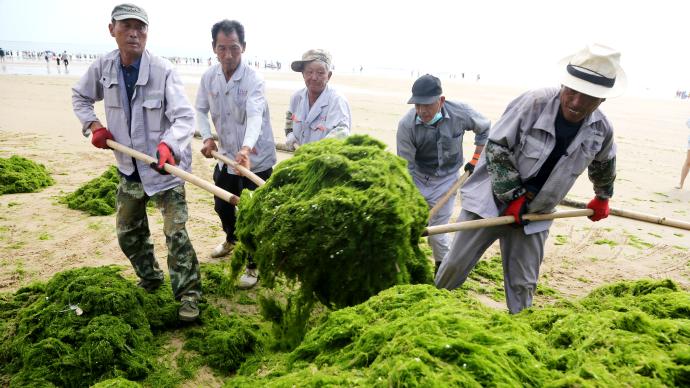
522,255
432,189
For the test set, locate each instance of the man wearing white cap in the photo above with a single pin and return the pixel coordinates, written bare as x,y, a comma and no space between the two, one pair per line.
317,111
545,139
146,108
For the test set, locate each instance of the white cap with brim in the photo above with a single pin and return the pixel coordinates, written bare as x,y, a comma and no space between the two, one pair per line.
594,71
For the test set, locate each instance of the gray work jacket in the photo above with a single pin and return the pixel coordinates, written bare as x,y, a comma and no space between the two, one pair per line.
527,129
437,150
231,103
328,117
160,112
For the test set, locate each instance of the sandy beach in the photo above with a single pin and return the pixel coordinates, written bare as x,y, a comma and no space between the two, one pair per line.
39,236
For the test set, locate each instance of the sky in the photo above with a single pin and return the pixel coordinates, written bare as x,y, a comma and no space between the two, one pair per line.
501,39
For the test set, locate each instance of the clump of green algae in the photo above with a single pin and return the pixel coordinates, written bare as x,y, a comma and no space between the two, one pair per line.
626,334
340,221
21,175
98,196
82,326
342,217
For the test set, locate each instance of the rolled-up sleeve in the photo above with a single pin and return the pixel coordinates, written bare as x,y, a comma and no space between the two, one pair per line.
480,126
602,170
405,145
85,93
179,112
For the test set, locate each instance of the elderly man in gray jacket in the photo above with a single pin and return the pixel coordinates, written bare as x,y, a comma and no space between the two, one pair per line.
234,94
146,109
545,139
430,139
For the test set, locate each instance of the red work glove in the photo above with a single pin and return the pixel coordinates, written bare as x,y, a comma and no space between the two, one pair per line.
99,137
600,207
517,208
164,155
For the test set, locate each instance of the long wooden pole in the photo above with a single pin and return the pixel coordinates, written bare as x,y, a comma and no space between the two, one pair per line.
178,172
633,215
458,184
503,220
245,171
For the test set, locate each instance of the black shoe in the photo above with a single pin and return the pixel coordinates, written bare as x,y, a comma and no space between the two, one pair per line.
189,311
149,285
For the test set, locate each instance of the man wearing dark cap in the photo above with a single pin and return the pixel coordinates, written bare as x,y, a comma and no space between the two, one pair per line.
317,111
545,139
430,139
146,108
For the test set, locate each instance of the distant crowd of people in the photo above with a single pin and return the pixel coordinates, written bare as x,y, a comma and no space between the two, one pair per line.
682,94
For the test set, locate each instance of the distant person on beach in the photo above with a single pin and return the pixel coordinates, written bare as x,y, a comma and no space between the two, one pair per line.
146,108
2,55
317,111
65,59
686,165
545,139
57,59
46,58
234,94
429,137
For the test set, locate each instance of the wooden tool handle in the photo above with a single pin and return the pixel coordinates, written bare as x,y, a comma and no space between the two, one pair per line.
245,171
178,172
458,184
633,215
503,220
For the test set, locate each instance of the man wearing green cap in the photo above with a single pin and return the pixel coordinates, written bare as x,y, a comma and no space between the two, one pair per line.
146,108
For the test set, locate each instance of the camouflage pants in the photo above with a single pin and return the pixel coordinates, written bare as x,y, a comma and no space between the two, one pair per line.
134,236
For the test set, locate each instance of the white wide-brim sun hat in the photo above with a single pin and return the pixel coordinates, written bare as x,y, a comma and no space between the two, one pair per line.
595,71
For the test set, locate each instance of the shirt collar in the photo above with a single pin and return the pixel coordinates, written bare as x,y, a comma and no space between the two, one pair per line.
134,64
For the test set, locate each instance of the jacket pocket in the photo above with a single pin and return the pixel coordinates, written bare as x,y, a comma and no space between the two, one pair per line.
452,145
152,114
238,111
531,151
111,93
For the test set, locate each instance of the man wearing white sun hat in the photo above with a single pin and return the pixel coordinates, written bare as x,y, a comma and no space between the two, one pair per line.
545,139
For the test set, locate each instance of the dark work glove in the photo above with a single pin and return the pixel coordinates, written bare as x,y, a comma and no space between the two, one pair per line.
164,155
99,137
469,166
517,208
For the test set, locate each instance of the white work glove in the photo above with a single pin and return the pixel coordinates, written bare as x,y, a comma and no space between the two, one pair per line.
290,140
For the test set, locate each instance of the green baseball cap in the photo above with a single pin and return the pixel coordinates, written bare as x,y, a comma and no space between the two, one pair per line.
129,11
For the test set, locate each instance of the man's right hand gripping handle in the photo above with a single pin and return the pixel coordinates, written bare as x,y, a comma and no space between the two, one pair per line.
99,137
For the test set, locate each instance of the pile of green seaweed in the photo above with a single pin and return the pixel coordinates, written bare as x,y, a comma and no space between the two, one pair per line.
338,222
342,218
21,175
98,196
625,334
90,324
81,326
